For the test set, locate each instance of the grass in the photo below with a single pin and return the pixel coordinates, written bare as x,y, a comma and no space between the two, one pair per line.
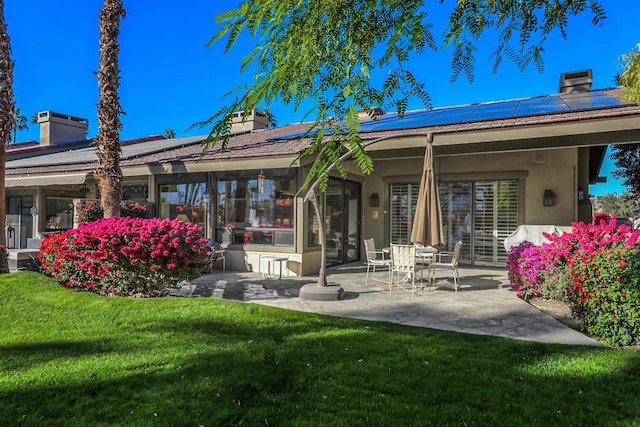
77,359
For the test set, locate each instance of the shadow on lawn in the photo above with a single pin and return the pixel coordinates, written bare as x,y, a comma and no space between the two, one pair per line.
283,373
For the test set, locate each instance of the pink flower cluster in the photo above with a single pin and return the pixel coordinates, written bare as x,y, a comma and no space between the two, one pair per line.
595,269
125,256
532,269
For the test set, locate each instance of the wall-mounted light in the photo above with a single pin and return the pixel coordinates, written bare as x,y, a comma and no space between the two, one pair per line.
549,198
206,198
34,211
374,200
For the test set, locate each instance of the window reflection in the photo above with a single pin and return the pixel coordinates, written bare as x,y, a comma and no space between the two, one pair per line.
58,213
255,211
183,201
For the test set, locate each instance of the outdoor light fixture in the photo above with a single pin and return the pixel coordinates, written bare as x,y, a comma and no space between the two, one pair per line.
549,198
34,211
374,200
261,182
206,198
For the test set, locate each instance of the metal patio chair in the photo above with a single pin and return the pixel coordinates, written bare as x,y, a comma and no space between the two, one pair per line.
404,268
375,259
446,261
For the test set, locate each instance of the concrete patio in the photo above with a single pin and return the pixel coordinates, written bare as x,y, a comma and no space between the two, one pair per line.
484,305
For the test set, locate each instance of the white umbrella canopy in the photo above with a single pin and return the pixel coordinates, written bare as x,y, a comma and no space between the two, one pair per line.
427,227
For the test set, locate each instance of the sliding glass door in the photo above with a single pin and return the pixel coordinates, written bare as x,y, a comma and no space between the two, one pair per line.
342,221
480,214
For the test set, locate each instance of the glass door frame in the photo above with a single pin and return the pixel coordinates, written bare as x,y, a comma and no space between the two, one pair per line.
342,224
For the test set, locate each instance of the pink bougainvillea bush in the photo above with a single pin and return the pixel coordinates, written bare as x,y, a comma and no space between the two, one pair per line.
595,268
125,256
605,293
531,270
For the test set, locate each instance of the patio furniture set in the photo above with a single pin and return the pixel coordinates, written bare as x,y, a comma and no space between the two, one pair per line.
403,263
267,263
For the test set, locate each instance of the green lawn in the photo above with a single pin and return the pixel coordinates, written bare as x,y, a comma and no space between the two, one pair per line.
80,359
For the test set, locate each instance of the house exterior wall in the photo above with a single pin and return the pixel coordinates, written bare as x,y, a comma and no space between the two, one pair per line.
541,169
555,169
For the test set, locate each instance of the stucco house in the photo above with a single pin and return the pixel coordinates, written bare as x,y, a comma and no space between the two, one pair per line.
499,165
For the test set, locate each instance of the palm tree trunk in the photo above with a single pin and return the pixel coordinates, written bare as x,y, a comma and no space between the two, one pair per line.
7,121
108,140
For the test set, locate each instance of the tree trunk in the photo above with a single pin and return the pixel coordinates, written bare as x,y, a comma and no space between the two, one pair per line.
7,120
108,140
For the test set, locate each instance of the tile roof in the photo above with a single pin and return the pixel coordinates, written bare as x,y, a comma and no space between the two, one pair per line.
262,143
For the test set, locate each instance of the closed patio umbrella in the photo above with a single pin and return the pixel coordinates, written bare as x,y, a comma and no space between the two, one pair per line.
427,222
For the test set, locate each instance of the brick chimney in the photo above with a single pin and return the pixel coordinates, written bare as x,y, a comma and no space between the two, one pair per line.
57,128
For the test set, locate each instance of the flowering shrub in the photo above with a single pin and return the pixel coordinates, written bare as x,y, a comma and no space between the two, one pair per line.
88,210
91,210
588,268
125,256
521,279
134,210
605,293
535,271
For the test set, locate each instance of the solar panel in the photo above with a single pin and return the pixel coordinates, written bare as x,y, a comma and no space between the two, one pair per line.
548,104
493,110
541,105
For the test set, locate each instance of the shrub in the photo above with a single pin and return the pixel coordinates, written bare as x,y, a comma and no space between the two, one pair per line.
605,293
589,269
522,280
125,256
88,210
532,271
91,210
134,209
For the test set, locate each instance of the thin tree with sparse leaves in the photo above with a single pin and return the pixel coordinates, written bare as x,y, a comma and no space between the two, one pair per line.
627,156
324,53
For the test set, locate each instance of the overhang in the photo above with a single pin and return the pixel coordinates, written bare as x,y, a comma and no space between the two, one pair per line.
45,180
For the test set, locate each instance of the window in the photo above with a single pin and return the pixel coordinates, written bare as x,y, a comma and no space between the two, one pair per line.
252,210
403,206
481,214
183,201
313,226
135,192
495,217
59,213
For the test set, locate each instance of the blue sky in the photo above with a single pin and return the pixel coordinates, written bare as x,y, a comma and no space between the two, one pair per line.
170,79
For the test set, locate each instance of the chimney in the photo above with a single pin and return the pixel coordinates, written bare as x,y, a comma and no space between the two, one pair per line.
56,128
254,121
576,81
376,111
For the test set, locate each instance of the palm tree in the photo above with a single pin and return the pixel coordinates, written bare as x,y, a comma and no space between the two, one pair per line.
169,133
108,139
7,122
34,119
21,123
271,118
